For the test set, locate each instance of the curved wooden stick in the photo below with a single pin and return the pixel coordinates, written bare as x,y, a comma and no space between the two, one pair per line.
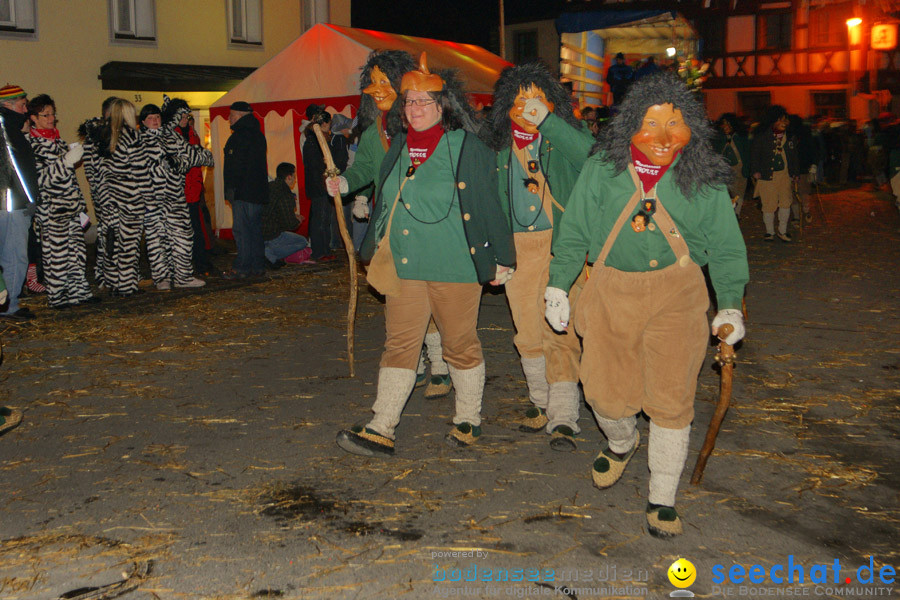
332,171
725,358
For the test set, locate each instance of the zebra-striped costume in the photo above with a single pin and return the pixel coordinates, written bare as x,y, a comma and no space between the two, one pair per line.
167,222
99,195
58,224
126,174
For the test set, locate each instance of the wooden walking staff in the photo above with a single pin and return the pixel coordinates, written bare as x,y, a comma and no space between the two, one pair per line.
725,358
332,171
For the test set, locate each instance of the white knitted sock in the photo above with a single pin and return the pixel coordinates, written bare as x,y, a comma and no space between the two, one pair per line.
666,455
435,353
784,215
536,378
621,433
562,408
394,387
769,222
469,386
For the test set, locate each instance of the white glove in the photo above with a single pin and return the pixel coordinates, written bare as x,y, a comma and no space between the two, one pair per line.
360,208
337,185
76,151
556,309
535,111
733,317
3,295
503,275
813,169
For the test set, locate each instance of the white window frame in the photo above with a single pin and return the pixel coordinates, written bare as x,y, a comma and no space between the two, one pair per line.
142,23
250,35
23,20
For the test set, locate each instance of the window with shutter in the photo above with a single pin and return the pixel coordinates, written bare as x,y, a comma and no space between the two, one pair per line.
244,23
132,21
17,19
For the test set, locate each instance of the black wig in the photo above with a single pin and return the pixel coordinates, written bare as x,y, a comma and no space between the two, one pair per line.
699,165
534,73
737,125
393,63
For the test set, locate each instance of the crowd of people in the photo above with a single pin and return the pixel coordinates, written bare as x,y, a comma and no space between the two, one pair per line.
598,225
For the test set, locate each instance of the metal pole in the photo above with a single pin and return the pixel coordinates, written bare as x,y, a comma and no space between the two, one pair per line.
502,33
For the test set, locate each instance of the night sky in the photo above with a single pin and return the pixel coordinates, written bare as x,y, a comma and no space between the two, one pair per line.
464,21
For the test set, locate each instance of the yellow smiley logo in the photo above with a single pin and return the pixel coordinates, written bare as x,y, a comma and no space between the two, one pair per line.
682,573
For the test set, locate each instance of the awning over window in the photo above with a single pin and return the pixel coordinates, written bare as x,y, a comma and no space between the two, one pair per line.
142,76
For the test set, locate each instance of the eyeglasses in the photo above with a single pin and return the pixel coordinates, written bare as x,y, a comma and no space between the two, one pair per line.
418,102
46,115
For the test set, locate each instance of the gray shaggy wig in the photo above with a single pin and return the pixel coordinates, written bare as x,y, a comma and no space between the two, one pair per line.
393,63
457,112
699,165
534,73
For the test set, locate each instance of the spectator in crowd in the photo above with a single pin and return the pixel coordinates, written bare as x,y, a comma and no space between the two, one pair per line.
619,76
773,162
648,68
167,221
807,161
58,220
126,172
732,143
280,222
193,187
23,196
96,178
321,212
247,189
339,144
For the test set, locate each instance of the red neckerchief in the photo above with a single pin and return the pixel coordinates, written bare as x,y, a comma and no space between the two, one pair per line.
422,143
50,134
647,172
521,137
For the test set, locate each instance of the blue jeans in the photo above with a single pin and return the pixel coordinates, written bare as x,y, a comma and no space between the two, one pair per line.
284,245
14,228
247,229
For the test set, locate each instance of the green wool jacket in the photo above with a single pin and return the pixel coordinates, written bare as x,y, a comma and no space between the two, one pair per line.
564,150
706,221
487,230
369,154
742,142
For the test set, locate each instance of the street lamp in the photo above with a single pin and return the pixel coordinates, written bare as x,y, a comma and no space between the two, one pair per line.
852,24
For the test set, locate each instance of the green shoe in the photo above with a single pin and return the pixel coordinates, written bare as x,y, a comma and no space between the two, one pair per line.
9,419
608,467
365,442
463,435
439,386
421,378
535,420
663,521
563,439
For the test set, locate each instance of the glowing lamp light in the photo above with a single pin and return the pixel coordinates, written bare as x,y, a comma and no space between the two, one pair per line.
670,51
854,22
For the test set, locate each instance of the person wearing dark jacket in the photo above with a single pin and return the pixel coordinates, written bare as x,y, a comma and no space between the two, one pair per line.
321,214
279,222
247,189
22,198
807,159
773,162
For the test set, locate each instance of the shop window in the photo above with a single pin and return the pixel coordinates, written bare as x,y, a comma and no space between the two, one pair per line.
831,104
525,45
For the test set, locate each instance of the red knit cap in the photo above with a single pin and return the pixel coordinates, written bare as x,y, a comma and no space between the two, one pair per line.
11,92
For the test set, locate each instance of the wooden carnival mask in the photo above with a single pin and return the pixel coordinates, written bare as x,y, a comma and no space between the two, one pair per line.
381,90
663,134
422,80
522,96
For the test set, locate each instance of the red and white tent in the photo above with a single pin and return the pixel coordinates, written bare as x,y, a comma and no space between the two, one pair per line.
322,67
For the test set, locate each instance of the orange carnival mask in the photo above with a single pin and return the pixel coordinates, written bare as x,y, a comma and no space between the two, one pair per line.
523,95
663,133
381,90
422,80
